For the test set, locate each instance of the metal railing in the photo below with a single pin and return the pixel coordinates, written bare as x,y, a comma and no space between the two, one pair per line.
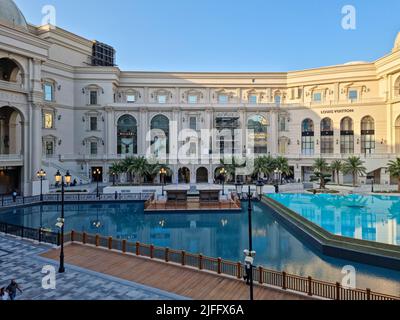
282,280
9,202
39,234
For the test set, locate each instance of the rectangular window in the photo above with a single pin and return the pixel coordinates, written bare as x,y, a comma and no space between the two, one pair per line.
93,98
162,99
317,97
282,124
327,144
192,148
93,148
307,144
193,123
353,95
347,143
223,99
48,120
253,99
93,123
48,92
130,98
368,142
49,148
192,99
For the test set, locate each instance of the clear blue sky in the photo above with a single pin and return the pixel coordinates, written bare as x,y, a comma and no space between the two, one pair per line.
222,35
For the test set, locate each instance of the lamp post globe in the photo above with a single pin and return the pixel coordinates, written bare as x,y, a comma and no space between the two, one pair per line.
41,174
223,173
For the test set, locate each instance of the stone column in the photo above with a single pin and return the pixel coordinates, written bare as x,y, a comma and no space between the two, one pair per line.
36,140
143,128
274,134
110,133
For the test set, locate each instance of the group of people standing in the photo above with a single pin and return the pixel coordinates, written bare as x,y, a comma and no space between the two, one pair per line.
10,292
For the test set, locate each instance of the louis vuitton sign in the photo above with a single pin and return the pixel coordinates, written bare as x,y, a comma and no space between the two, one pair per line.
337,111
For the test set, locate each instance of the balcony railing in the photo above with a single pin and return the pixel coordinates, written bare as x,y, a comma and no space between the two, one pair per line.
11,157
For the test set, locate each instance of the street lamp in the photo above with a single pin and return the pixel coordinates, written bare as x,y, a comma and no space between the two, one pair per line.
63,180
41,175
239,188
373,182
223,172
260,186
250,254
113,175
163,173
278,175
97,174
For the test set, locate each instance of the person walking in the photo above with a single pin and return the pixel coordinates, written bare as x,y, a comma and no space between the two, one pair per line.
12,289
4,296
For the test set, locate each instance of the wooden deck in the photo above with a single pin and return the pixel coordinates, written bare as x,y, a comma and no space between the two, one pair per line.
183,281
193,204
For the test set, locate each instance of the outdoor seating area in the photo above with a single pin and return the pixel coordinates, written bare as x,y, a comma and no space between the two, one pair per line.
178,198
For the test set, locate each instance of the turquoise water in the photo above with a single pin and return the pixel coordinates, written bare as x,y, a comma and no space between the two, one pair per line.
214,234
373,218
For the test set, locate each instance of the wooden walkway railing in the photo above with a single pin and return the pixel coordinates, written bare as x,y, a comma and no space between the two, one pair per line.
283,280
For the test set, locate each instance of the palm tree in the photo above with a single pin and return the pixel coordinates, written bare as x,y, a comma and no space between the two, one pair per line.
321,168
355,166
116,169
230,165
336,167
126,164
282,164
153,170
139,167
264,165
394,169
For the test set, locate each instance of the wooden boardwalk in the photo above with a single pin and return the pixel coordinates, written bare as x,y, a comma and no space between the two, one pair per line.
172,278
192,205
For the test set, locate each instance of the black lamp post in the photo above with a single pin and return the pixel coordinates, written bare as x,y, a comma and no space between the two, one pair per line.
373,186
61,221
41,175
223,172
239,188
260,186
250,254
163,173
97,174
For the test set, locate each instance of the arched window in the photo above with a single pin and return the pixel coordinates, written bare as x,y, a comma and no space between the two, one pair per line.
278,99
367,135
327,134
9,70
397,135
202,175
307,137
127,135
259,125
160,136
397,87
346,136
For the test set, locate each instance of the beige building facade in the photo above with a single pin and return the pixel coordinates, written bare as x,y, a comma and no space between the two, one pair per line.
61,111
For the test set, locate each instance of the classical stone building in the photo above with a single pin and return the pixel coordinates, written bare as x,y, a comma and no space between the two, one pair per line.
64,105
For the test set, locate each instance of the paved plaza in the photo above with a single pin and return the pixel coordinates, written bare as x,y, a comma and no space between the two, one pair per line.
19,259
